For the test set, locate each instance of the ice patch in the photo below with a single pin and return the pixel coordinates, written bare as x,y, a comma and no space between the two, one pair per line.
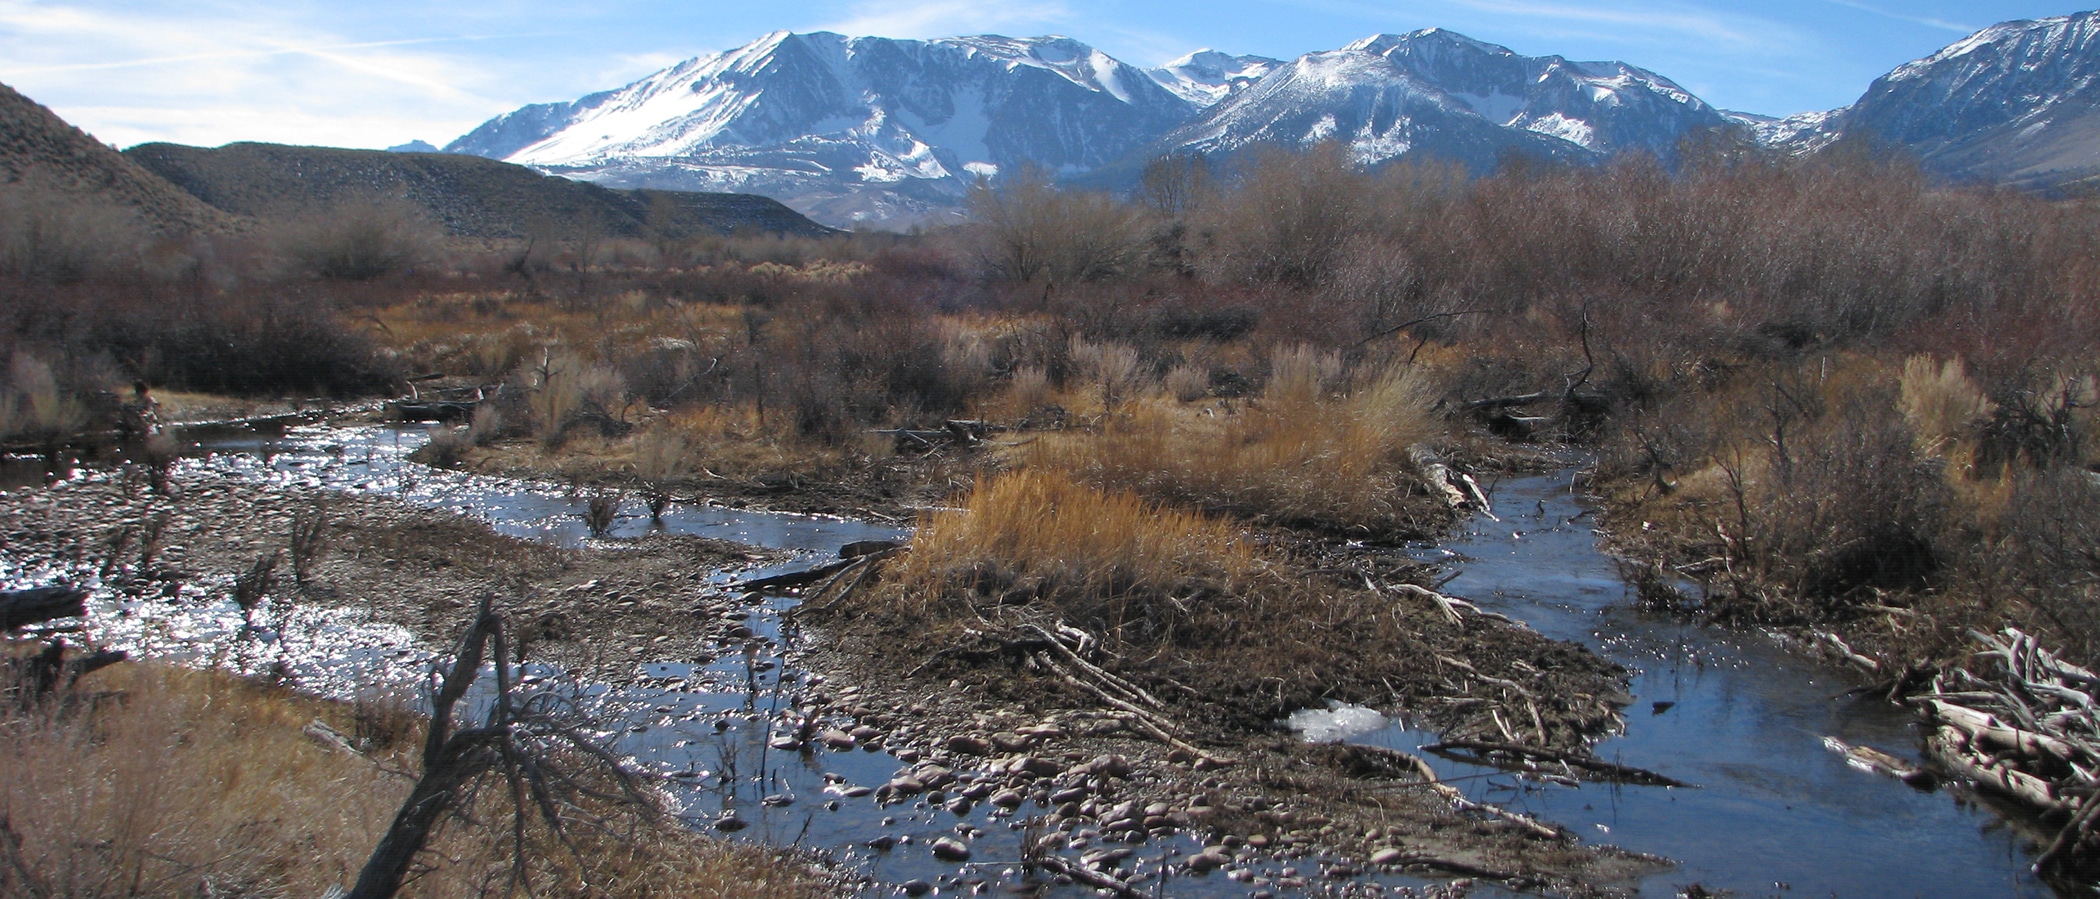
1335,723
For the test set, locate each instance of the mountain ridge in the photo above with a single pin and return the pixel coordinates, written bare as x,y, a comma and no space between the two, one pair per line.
862,129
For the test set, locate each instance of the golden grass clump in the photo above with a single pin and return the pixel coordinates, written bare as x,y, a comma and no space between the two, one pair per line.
1045,527
1309,458
1942,405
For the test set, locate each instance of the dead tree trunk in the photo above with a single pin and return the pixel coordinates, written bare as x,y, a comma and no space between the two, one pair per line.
22,608
450,761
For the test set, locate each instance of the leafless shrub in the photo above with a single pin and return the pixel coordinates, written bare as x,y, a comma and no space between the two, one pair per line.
661,458
46,235
1187,383
1289,219
1830,505
359,241
1033,231
41,408
1113,367
251,587
309,541
447,447
600,510
567,390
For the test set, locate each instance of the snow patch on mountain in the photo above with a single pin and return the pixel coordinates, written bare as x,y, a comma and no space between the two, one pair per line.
1207,76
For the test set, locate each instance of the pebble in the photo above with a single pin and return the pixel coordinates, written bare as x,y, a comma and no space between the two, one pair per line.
1387,856
969,744
950,849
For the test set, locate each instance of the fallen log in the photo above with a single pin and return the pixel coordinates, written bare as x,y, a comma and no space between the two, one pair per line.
1952,749
1987,728
796,578
21,608
1875,761
1436,474
1607,771
1837,646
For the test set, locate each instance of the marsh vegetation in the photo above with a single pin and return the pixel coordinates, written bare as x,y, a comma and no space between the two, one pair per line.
1825,395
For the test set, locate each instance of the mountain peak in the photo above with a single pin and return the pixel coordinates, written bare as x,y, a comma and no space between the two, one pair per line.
1384,44
2017,102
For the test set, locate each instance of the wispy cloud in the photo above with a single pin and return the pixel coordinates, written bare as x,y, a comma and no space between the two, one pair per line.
1941,24
325,52
946,18
205,75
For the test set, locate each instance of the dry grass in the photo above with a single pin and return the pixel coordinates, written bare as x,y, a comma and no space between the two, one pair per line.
189,779
1058,535
1943,406
1302,455
728,441
180,783
1190,606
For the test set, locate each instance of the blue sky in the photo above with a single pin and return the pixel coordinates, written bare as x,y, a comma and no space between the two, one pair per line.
384,72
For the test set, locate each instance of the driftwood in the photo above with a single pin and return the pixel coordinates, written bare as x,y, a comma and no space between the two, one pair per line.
829,572
1083,874
1457,488
1955,751
801,578
1837,646
1129,713
1605,771
1395,759
21,608
523,741
2020,721
1454,609
957,432
1876,761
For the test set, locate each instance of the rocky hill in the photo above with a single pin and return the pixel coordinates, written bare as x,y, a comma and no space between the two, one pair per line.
467,196
2016,103
40,151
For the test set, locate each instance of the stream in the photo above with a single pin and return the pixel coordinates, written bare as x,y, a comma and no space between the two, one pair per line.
1774,813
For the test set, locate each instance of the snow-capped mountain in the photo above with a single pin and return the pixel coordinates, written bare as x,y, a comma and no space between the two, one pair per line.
1207,76
1442,93
847,128
855,129
2018,102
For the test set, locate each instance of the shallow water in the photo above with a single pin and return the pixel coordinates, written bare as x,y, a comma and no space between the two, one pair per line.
1774,811
705,728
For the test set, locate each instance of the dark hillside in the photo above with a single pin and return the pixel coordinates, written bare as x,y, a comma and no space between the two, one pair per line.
467,195
38,149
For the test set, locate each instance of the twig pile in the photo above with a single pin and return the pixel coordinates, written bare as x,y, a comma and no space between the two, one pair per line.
2023,724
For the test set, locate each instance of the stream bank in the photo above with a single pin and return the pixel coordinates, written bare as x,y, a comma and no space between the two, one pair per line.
811,743
706,681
